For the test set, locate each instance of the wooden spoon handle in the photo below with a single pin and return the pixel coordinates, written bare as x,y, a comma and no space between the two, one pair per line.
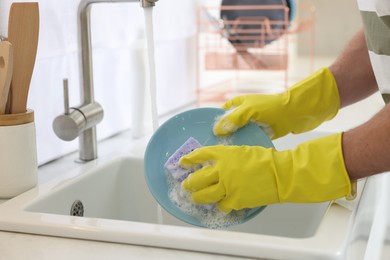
23,32
6,66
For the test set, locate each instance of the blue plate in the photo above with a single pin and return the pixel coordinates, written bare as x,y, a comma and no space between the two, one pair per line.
197,123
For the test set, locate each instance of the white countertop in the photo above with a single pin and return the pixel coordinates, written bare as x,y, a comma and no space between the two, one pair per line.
24,246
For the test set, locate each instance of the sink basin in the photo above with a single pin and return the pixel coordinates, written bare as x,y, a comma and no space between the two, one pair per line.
108,200
111,192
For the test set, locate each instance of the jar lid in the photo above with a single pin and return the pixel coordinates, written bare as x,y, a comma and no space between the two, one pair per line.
17,119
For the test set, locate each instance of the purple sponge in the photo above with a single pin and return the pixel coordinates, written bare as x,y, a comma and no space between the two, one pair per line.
172,164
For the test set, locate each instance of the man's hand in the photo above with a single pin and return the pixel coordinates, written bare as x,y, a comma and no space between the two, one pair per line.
301,108
238,177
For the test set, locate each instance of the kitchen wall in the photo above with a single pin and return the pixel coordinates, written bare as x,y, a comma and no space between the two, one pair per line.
118,37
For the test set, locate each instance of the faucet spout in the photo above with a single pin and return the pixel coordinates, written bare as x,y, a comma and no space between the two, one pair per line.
87,137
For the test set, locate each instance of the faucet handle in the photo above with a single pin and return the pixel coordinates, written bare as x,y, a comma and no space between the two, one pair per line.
69,127
66,96
74,121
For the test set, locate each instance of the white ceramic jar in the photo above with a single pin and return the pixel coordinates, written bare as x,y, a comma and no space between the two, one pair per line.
18,154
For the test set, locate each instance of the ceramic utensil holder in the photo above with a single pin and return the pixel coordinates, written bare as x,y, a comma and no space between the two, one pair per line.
18,154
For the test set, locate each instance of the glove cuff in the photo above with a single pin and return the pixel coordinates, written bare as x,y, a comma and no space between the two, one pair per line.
314,100
313,172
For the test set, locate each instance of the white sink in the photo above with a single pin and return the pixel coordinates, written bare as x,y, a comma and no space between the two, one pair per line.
118,207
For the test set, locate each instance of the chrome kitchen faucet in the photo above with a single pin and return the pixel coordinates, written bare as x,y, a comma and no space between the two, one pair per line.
81,121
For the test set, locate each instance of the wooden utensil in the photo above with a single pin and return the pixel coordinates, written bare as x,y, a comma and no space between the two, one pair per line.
6,66
23,31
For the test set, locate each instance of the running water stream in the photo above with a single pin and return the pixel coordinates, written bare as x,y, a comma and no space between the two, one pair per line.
148,13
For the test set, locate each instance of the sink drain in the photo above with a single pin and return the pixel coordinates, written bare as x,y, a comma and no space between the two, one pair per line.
77,209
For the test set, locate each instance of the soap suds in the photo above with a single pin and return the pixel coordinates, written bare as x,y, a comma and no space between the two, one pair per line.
208,214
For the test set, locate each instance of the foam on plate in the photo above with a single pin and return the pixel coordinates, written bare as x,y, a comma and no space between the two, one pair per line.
208,214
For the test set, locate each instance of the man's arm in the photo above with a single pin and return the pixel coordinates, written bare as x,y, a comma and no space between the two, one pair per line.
353,72
366,148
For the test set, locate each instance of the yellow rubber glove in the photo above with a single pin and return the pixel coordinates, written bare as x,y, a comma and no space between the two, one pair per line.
301,108
238,177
